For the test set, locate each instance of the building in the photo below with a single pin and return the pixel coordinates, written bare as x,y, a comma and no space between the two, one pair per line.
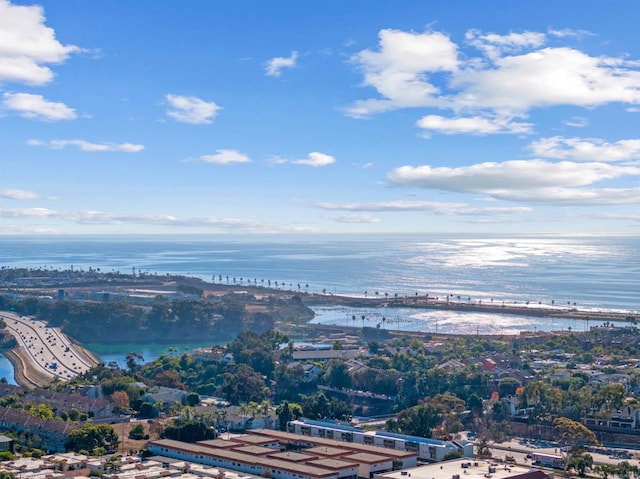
431,450
53,433
466,469
283,455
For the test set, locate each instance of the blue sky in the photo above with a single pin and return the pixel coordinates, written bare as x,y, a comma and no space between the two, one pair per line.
132,117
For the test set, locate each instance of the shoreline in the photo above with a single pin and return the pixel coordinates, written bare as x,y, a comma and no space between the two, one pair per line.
530,310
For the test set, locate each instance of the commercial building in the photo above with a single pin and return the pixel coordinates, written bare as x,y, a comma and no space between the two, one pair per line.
282,455
431,450
466,469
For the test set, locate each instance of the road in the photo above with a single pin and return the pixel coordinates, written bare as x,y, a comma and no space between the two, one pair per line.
519,448
49,352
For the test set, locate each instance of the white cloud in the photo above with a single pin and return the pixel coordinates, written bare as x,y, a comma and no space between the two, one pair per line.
27,45
586,149
224,157
569,32
524,180
12,194
87,146
362,219
475,125
577,122
315,159
508,175
399,70
546,77
515,74
191,109
92,217
440,208
494,45
36,107
276,65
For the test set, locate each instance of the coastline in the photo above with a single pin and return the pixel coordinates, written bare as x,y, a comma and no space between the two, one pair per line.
530,310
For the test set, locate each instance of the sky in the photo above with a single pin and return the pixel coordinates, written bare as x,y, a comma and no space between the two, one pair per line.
335,116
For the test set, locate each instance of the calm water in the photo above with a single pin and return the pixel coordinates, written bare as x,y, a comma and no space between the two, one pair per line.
592,272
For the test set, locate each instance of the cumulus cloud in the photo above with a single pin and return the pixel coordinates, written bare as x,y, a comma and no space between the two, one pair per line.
27,45
275,66
516,174
494,45
315,159
36,107
224,157
88,146
475,125
586,149
400,70
524,180
13,194
191,109
513,74
547,77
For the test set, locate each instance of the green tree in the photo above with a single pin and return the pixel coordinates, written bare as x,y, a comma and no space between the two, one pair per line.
287,412
416,421
581,462
92,436
193,399
337,374
572,436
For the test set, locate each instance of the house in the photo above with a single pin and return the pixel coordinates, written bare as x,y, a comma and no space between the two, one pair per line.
6,444
53,433
163,397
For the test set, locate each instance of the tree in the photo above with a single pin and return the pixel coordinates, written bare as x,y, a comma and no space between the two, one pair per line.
137,432
337,375
572,436
132,360
581,463
416,421
120,400
507,386
92,436
287,412
193,399
242,384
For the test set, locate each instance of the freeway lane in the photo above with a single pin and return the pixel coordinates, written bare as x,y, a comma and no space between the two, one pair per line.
48,352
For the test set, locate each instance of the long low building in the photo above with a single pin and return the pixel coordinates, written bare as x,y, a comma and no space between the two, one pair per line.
431,450
282,455
466,469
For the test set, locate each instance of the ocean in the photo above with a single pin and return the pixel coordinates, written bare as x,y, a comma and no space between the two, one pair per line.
584,272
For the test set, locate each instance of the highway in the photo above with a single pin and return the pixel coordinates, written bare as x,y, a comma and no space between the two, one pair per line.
49,352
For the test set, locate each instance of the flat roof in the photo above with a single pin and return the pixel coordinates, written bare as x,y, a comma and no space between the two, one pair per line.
257,450
368,457
319,441
447,469
328,451
416,439
220,443
266,462
252,439
332,463
293,456
331,425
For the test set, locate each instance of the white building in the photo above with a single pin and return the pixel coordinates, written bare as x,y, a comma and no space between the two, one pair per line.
431,450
